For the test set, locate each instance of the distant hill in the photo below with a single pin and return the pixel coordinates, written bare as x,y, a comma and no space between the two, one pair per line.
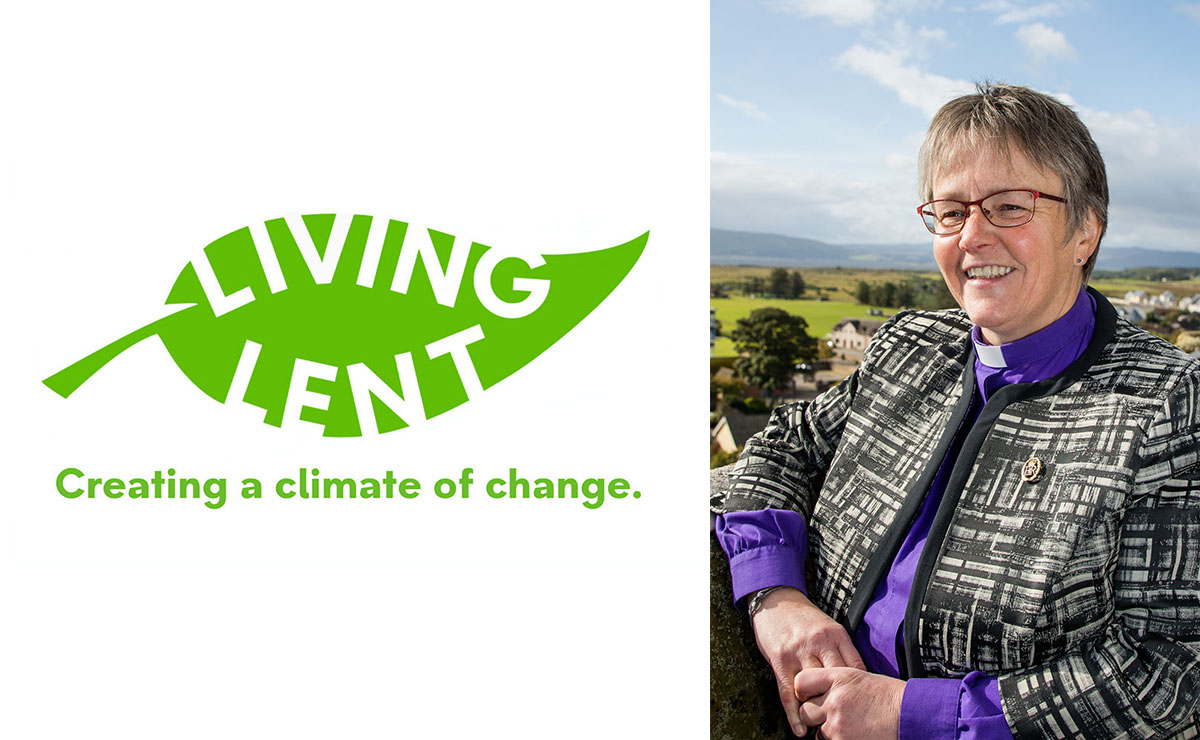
752,248
1120,258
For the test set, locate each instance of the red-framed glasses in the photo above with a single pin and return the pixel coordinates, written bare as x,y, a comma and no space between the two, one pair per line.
1005,209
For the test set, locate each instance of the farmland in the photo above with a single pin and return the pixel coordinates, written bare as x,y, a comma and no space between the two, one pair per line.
838,286
835,284
820,315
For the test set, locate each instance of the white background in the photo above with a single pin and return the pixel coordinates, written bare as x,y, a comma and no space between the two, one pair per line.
134,134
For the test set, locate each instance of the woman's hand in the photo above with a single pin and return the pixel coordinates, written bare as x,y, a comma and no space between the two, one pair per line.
793,635
850,704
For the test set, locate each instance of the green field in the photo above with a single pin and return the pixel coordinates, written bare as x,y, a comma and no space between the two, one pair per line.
820,315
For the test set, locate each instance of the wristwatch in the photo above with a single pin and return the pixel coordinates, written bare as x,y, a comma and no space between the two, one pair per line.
756,601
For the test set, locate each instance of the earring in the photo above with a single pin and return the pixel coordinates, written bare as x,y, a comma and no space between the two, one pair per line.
1079,260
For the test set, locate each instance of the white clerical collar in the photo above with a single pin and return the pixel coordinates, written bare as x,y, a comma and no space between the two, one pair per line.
989,354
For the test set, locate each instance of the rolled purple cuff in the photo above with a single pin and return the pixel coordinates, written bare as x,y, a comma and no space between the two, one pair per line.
765,548
929,709
953,709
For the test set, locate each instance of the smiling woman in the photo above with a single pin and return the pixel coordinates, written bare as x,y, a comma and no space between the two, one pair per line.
1011,281
1043,207
985,532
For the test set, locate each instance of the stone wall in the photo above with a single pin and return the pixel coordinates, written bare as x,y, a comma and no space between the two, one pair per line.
744,702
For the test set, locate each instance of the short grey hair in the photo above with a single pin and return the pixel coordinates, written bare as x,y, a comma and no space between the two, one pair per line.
1040,127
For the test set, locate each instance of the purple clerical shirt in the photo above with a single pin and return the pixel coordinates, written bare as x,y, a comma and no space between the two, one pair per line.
767,548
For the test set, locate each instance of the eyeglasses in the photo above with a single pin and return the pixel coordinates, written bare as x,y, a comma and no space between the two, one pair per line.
1005,209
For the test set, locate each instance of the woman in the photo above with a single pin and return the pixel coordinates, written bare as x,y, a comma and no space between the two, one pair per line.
992,528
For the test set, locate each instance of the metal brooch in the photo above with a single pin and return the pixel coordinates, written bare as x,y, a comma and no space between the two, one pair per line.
1031,471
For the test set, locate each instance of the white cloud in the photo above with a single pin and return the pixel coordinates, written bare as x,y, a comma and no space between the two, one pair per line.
1011,11
745,106
803,198
1043,43
1064,98
1153,175
1153,163
898,161
1192,10
902,41
841,12
917,88
932,34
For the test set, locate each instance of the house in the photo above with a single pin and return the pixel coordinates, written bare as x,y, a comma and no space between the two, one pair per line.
1133,314
732,431
854,333
725,374
1165,300
1137,297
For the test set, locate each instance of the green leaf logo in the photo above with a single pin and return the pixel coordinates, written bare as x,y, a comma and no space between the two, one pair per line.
328,320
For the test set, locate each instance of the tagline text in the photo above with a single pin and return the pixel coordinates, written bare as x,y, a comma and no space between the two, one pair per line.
311,484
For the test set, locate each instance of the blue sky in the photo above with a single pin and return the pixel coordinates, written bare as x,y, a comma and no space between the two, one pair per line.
819,106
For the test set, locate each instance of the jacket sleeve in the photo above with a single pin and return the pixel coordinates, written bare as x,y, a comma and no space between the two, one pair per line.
784,465
1141,677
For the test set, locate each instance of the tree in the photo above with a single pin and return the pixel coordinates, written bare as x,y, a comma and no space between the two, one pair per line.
862,293
889,294
797,286
779,282
726,389
905,296
773,341
942,297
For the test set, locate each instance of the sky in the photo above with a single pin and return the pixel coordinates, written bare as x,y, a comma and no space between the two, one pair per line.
819,106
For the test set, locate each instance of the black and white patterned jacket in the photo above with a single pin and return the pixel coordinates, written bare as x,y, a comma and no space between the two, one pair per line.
1080,589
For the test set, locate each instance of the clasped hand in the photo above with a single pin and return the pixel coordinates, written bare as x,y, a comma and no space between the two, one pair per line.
821,678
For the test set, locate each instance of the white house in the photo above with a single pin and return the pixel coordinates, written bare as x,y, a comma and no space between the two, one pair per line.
1131,313
854,333
732,431
1166,299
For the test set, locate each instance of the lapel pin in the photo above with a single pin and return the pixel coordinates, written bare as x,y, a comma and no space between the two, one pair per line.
1031,470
